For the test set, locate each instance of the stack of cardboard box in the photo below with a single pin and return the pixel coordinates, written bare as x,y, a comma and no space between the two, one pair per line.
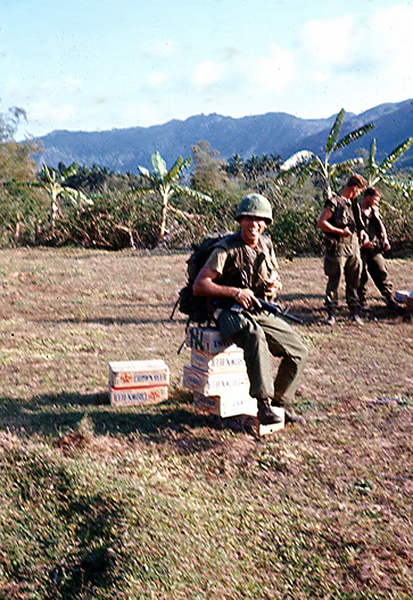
138,382
218,376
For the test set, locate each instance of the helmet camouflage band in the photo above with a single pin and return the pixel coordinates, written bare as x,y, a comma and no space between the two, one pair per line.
254,205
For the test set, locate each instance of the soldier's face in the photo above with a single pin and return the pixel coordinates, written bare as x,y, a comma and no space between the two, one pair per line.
373,200
251,229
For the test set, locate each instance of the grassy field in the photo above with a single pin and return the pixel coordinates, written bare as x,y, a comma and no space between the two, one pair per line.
162,502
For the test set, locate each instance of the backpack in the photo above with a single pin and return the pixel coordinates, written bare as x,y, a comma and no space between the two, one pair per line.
197,308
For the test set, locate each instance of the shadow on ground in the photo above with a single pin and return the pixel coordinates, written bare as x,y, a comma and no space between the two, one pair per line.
55,415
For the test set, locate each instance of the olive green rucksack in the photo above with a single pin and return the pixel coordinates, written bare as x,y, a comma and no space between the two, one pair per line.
197,308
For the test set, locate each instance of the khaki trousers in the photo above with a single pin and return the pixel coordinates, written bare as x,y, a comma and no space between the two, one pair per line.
262,335
335,267
375,265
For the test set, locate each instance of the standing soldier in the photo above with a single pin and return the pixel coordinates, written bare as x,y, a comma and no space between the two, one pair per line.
342,225
242,269
372,252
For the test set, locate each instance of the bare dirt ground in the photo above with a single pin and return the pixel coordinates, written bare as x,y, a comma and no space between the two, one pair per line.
65,314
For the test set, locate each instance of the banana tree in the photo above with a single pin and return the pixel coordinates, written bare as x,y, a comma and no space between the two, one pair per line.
378,173
307,164
52,181
165,183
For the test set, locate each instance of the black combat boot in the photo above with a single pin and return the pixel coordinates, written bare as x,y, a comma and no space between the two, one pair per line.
290,416
265,415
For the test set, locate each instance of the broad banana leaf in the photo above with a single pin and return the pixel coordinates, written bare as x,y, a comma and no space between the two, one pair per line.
143,171
353,135
297,160
335,130
159,165
395,154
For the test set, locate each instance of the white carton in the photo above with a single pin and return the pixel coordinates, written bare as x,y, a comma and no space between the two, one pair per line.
142,395
206,339
227,405
401,295
231,359
214,384
138,373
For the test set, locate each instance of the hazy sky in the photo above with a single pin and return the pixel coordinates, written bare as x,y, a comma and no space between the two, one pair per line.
103,64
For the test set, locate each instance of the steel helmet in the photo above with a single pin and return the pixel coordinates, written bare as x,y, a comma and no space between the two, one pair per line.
254,205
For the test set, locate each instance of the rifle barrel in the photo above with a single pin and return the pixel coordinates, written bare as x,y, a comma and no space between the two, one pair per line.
276,310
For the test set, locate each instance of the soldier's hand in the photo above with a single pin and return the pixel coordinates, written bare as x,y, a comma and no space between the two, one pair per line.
246,298
345,232
367,244
273,287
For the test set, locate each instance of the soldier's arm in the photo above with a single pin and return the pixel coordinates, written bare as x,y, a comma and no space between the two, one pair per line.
205,285
325,226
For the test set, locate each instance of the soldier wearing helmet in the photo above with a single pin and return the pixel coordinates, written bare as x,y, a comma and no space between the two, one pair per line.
241,269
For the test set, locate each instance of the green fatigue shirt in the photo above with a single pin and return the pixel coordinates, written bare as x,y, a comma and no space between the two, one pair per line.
376,231
239,265
346,213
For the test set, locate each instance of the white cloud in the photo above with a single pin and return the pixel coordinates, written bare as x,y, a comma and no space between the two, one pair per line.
207,73
330,42
356,63
273,73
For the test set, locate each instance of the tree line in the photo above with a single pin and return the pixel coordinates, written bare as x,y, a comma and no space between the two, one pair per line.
176,206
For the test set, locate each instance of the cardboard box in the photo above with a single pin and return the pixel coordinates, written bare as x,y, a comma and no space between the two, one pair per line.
227,405
231,359
401,295
214,384
206,339
142,395
138,373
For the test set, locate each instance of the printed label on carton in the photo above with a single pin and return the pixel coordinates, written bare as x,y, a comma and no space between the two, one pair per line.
229,360
227,405
138,373
213,384
206,339
138,395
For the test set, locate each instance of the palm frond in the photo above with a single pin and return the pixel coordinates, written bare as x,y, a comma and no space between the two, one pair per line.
175,170
143,171
159,165
306,170
182,189
335,130
399,184
296,160
353,135
347,165
395,155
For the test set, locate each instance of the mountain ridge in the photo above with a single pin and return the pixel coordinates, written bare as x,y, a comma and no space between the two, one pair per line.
269,133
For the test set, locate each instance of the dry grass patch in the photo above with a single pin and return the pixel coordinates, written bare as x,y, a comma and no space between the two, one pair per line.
162,502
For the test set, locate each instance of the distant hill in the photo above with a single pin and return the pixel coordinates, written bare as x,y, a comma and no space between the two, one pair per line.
123,150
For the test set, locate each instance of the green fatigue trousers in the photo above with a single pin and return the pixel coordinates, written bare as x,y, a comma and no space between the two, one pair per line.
375,265
260,335
343,260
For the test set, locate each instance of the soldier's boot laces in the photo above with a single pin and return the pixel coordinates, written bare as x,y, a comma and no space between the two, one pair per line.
265,415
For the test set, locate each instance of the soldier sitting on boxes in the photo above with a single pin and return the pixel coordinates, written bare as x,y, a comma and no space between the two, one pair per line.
240,270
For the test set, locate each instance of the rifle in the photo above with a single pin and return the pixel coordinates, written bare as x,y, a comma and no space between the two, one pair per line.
274,309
